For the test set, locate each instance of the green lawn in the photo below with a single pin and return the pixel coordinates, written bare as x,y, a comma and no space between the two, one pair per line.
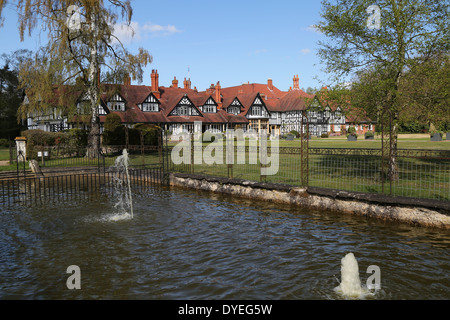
4,154
405,141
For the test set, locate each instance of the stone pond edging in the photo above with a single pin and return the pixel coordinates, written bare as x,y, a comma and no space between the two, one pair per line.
416,212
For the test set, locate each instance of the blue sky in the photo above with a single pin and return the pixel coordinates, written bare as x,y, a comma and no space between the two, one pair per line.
228,41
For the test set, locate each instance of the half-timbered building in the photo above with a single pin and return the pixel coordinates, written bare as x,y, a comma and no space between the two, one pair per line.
259,107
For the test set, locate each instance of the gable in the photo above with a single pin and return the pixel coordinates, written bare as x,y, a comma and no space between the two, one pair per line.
315,105
258,109
151,99
116,103
236,102
84,106
185,107
210,106
150,104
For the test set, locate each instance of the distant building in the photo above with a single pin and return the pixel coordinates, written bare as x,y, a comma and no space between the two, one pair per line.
261,107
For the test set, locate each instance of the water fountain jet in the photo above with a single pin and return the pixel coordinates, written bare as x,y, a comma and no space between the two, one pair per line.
350,283
125,197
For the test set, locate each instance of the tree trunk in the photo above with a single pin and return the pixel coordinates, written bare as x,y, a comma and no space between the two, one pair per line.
393,164
93,90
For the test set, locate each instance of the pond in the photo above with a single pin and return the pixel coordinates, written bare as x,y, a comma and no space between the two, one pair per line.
186,244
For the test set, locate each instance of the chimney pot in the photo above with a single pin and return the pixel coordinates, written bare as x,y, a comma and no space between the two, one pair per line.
155,83
296,82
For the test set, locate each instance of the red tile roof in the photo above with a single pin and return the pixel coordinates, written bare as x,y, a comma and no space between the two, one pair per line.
274,99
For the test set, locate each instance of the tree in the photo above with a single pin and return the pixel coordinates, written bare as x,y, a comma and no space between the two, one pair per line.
406,34
425,93
11,96
81,41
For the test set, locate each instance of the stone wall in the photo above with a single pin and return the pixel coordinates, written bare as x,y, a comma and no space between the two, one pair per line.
418,213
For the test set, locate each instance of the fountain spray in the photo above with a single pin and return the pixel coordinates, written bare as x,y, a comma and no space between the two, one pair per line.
122,163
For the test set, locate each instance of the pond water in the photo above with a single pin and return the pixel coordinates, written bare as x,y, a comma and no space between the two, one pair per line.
185,244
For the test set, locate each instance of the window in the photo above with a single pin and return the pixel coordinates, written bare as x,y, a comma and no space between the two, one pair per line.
209,108
150,104
183,110
256,111
116,106
116,103
150,107
234,110
101,110
83,107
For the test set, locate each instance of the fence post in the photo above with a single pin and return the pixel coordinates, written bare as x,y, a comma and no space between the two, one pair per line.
230,152
160,148
141,134
192,153
166,153
262,155
304,150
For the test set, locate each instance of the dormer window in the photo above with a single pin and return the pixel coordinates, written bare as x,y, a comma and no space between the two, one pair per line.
207,108
150,104
116,103
210,106
235,107
327,113
256,111
234,110
185,108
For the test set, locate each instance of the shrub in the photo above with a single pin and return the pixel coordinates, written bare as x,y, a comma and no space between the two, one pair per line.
150,133
432,133
4,143
295,133
112,122
352,131
324,135
369,134
115,137
40,137
412,127
77,138
444,127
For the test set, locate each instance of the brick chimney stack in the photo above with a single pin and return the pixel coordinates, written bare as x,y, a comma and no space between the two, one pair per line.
127,80
218,97
187,83
270,84
155,84
175,82
296,83
210,89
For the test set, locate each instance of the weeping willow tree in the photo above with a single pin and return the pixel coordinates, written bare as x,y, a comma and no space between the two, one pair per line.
377,45
81,42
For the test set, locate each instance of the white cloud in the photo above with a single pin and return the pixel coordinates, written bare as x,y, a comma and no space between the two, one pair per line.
312,28
258,51
305,51
134,32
